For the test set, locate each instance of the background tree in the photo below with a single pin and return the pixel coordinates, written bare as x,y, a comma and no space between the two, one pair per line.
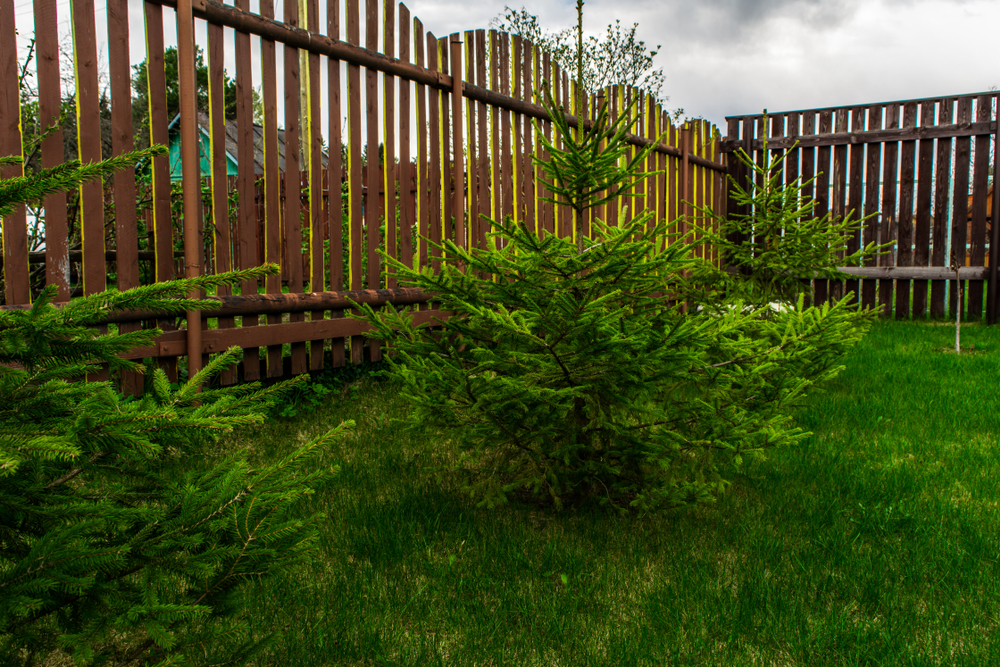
617,57
140,88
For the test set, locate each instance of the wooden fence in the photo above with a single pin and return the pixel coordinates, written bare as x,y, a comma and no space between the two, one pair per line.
923,170
454,115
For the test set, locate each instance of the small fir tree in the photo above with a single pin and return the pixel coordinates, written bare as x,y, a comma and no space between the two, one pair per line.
119,542
571,370
780,244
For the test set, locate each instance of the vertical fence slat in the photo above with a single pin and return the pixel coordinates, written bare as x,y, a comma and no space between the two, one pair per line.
389,131
423,160
447,221
546,87
483,166
994,205
15,225
246,206
457,140
905,220
293,183
873,158
355,193
317,223
888,221
433,130
517,137
407,209
373,180
335,177
821,288
527,143
980,178
472,147
88,131
57,268
506,146
220,184
272,171
161,218
921,250
942,183
856,195
126,221
960,205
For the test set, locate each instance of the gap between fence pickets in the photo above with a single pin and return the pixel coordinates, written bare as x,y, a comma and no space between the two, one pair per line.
248,22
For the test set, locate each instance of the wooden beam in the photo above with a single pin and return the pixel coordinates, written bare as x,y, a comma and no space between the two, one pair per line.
174,343
878,136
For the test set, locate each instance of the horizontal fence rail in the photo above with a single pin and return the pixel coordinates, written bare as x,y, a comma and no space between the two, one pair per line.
294,171
919,174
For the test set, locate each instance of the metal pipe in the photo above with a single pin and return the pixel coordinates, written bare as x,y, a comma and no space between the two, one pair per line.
189,171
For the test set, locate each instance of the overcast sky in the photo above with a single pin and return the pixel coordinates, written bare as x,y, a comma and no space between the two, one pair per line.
731,57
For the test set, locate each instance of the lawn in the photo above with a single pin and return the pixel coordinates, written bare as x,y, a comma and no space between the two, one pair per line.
876,542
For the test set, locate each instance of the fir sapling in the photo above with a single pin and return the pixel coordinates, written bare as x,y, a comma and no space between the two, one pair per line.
120,542
570,371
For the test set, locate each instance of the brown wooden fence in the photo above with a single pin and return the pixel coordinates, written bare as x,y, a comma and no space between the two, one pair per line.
453,114
924,168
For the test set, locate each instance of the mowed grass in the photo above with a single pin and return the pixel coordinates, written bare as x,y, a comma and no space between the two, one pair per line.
876,542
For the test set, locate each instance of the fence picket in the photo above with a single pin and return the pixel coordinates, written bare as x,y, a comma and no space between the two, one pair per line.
318,233
921,245
980,178
873,157
888,222
57,266
389,142
406,177
335,179
942,181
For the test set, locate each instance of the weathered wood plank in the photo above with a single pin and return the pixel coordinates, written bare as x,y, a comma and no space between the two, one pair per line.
925,131
888,222
960,207
49,111
221,241
407,204
373,218
904,221
980,180
317,219
873,161
921,246
389,140
355,185
335,176
939,230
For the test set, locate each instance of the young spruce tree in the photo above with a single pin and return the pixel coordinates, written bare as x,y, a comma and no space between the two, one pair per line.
570,370
119,543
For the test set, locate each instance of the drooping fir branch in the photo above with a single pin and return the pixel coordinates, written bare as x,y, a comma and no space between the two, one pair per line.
63,177
50,334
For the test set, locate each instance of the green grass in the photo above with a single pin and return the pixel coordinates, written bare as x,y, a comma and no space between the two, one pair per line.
874,543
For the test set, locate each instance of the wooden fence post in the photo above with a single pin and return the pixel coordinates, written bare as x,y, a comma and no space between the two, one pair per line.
994,257
458,194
